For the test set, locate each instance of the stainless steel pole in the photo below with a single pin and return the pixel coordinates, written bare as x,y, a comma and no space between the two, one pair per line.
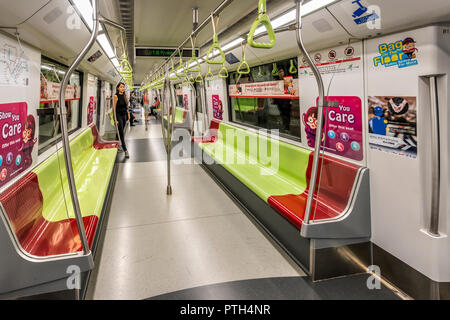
436,163
320,86
65,135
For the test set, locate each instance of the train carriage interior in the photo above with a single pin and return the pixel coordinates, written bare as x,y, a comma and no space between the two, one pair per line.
224,150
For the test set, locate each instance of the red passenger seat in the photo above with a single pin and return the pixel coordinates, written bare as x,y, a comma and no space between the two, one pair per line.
212,134
98,144
336,184
23,204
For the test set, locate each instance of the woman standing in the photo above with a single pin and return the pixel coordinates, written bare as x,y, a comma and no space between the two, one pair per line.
121,114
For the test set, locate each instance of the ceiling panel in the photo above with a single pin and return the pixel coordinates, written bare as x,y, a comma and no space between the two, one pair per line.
11,15
169,22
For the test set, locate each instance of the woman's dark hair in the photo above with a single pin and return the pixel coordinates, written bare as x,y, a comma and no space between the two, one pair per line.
118,86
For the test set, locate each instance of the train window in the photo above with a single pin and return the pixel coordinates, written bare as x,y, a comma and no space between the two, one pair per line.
52,74
179,94
267,98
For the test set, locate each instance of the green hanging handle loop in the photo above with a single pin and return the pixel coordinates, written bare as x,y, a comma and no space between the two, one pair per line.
190,79
181,75
199,78
223,73
209,76
262,19
260,74
215,45
293,69
174,72
243,65
275,71
193,59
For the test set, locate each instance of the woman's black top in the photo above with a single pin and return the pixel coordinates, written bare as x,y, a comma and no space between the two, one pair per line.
122,106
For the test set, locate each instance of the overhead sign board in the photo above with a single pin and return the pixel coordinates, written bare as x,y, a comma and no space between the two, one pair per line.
164,52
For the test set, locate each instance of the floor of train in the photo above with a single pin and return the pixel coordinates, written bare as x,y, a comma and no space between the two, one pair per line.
195,244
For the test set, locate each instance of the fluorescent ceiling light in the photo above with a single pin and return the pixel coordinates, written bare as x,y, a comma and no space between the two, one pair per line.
233,43
314,5
290,16
115,62
86,11
106,45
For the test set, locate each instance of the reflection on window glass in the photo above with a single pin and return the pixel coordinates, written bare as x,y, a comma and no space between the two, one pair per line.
52,75
268,97
179,94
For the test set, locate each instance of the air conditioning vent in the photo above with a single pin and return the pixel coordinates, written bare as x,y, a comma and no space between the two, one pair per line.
322,25
53,15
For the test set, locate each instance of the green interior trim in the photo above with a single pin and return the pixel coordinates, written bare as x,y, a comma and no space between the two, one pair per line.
251,164
92,170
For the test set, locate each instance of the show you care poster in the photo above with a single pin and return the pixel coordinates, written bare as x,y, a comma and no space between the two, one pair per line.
342,134
393,125
17,141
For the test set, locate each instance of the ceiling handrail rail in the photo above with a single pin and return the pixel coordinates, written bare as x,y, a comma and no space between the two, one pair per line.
217,11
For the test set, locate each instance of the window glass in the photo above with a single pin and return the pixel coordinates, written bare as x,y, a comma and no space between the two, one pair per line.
267,98
52,75
179,94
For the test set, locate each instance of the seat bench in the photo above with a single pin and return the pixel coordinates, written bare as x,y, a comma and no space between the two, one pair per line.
39,205
180,116
285,185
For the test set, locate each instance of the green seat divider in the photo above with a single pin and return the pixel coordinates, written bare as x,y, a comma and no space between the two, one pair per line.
251,164
92,171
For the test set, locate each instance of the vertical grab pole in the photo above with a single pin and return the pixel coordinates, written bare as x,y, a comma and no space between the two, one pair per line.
436,163
65,135
168,103
320,86
204,95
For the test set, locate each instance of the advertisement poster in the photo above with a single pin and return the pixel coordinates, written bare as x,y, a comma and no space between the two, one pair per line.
393,125
17,141
50,91
186,101
91,111
343,127
287,88
400,54
217,107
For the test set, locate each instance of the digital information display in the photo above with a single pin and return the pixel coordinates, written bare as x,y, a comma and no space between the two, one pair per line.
163,52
